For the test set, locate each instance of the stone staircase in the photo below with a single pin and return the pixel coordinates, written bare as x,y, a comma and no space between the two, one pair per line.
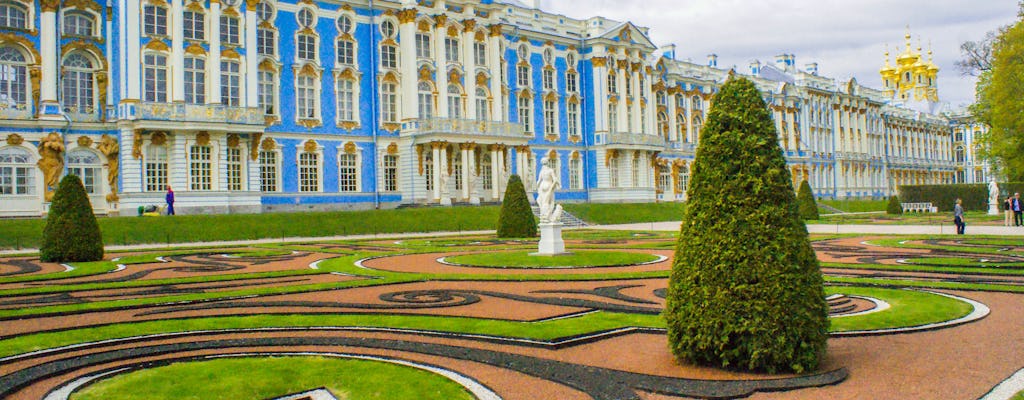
568,220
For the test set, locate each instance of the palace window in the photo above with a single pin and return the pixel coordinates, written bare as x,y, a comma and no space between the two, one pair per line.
390,173
523,76
234,168
422,45
428,169
195,25
635,171
309,172
681,126
425,95
664,178
13,16
306,47
229,30
388,29
389,102
613,171
348,173
200,168
388,56
697,123
306,97
154,71
13,79
575,174
549,79
305,18
346,52
663,125
613,118
230,83
154,20
267,92
17,172
78,84
572,111
195,80
481,104
78,23
451,49
346,100
613,86
550,121
524,113
480,54
454,101
486,177
268,171
345,24
156,168
682,179
264,11
572,82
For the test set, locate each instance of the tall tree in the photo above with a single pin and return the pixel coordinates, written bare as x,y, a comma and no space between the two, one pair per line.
999,103
746,290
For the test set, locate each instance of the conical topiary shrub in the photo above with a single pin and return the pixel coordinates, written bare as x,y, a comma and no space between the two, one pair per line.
746,291
71,233
516,218
808,207
894,207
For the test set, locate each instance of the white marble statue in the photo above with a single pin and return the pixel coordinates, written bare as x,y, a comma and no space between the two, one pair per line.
547,183
993,191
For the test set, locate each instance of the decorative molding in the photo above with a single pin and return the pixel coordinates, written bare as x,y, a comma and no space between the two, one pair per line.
137,144
350,148
406,16
268,144
310,146
392,149
440,20
203,138
15,139
109,147
310,123
49,5
51,162
196,50
84,141
608,155
419,157
233,139
157,45
232,54
80,4
391,126
348,125
598,62
158,138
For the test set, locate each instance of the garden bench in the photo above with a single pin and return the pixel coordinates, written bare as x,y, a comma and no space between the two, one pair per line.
919,207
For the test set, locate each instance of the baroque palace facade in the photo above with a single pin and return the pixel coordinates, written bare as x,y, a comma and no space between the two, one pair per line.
264,105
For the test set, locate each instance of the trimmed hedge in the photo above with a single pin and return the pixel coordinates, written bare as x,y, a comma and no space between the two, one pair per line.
894,207
71,233
975,196
808,207
746,291
516,218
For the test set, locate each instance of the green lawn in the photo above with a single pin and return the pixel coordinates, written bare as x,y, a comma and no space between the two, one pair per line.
1018,396
27,233
856,205
523,259
271,377
626,213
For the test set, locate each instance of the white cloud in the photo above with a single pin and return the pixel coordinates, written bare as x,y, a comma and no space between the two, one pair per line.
846,38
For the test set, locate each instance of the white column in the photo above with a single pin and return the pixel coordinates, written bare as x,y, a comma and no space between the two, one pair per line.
132,66
600,96
48,50
494,60
436,160
469,61
407,47
466,169
501,170
251,55
791,128
440,33
620,78
635,123
110,75
673,127
213,62
496,175
177,51
652,104
131,167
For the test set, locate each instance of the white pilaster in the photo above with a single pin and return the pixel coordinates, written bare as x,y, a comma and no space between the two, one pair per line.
407,46
213,63
623,118
469,61
496,175
251,56
466,170
177,51
494,59
133,65
652,104
48,52
436,160
635,122
440,33
673,127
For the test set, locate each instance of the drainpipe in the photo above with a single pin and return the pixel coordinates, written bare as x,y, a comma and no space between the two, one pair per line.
373,111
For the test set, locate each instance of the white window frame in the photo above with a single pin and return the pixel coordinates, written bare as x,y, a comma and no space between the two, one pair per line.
79,84
158,25
231,83
452,49
270,170
308,172
73,18
347,88
156,171
352,184
390,173
195,89
525,113
160,90
262,96
235,167
423,45
194,27
17,172
575,173
201,164
8,8
550,117
307,97
389,108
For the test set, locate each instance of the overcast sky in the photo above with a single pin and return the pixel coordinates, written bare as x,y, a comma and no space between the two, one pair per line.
846,38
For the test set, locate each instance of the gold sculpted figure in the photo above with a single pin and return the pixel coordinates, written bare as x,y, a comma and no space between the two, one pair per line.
51,162
109,147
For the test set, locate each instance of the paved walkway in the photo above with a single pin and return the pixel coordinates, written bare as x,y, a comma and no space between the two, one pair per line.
651,226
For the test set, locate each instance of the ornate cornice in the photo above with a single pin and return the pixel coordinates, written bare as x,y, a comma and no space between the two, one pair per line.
49,5
407,15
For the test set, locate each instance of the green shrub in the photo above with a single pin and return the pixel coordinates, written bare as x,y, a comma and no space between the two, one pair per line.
808,207
516,218
746,291
894,207
975,196
71,233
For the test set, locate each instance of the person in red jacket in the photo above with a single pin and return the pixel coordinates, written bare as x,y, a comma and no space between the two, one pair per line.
170,200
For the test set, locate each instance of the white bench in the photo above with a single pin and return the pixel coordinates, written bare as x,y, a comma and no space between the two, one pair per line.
919,207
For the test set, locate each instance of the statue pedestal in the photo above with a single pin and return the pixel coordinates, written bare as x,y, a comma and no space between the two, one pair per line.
993,209
551,243
474,200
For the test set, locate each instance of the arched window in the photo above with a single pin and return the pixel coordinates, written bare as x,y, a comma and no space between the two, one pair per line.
87,166
959,154
13,82
17,172
455,101
482,111
697,123
696,104
425,96
13,15
681,125
78,84
664,178
78,23
486,175
663,125
195,80
388,51
154,66
682,179
266,39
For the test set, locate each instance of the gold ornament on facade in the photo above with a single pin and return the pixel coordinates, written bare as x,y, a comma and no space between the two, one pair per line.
196,50
137,144
310,146
348,125
203,138
15,139
454,76
84,141
251,4
392,149
481,79
51,161
35,74
196,7
440,20
350,148
233,140
310,123
83,5
609,155
453,31
425,75
391,126
598,62
479,36
108,147
494,30
390,77
406,16
551,96
419,157
101,82
49,5
158,138
268,144
265,65
157,45
423,26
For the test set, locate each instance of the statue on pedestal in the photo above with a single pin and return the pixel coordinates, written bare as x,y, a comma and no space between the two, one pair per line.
547,183
993,197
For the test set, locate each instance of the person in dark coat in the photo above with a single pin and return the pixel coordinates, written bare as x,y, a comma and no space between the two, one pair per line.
1017,208
1007,211
170,200
958,217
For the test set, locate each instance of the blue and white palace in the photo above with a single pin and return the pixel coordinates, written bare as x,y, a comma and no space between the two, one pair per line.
267,105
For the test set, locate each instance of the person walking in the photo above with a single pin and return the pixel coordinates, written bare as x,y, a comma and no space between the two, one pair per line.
958,217
1007,212
1015,205
170,200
